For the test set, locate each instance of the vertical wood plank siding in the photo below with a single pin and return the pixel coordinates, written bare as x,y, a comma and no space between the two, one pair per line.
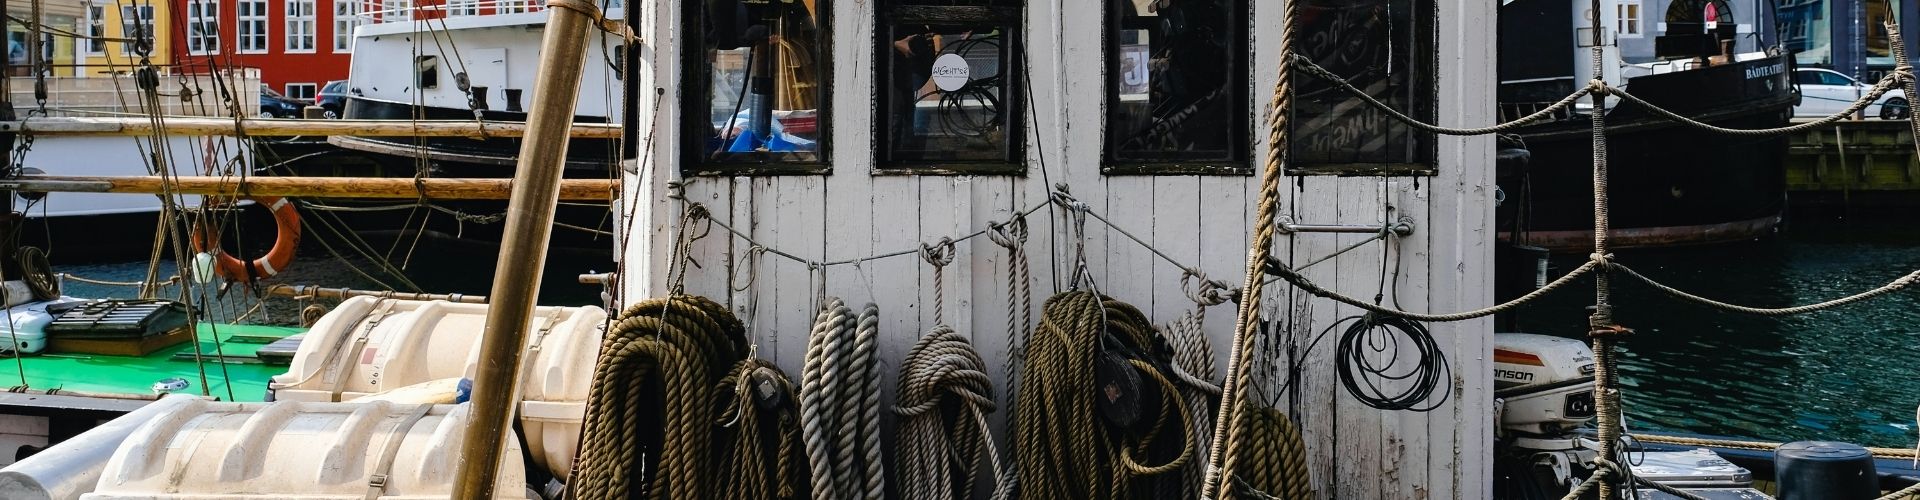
1355,451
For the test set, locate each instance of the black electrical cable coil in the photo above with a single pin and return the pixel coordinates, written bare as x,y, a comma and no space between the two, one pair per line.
1369,359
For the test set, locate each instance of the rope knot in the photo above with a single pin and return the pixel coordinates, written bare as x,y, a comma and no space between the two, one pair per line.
1011,235
939,254
1603,261
1208,292
1599,87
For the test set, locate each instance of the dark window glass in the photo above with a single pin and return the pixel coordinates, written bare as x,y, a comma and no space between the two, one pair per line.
1807,77
1835,79
949,90
759,69
1176,86
427,71
1386,49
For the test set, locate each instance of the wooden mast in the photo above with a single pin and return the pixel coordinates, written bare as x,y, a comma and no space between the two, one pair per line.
307,187
516,279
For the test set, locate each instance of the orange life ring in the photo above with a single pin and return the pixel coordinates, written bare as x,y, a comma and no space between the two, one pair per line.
285,219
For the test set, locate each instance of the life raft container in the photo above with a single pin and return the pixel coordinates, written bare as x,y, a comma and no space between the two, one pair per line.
287,222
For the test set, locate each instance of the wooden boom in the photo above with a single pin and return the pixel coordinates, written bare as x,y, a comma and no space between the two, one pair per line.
307,187
275,127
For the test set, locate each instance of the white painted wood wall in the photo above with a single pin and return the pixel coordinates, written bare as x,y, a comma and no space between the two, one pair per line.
1356,452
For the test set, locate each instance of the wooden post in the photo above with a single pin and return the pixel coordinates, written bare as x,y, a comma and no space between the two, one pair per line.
275,127
308,187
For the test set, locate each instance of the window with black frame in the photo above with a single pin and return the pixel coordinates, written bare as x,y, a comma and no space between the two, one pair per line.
760,68
1385,48
949,86
1176,87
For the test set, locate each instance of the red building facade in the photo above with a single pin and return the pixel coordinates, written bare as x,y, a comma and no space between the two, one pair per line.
299,45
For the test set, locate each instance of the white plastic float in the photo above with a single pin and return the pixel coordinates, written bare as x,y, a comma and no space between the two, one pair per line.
368,345
204,450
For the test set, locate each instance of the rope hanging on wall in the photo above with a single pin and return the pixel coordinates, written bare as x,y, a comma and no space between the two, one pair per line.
1099,418
840,404
653,427
1193,366
943,401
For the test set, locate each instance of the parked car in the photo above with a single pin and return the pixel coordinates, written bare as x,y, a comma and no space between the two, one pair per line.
333,98
274,105
1824,92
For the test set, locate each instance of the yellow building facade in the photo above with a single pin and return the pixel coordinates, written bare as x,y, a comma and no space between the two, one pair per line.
116,19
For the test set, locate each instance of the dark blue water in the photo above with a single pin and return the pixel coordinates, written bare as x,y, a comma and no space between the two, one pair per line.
1849,374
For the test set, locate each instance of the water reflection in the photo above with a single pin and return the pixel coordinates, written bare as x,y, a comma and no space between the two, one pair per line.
1846,374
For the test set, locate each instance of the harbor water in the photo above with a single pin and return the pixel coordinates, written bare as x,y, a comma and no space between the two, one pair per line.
1850,374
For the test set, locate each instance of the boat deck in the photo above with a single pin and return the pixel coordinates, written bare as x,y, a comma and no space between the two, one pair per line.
245,374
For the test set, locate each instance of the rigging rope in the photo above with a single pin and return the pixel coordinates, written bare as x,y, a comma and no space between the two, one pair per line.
1193,366
943,400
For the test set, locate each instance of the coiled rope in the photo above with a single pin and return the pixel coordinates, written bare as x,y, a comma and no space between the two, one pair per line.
652,421
1193,366
840,404
942,440
1276,459
1063,446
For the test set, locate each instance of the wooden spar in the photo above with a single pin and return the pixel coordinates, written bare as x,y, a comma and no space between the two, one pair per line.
303,291
308,187
275,127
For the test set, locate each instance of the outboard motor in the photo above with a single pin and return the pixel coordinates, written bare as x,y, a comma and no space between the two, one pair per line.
1543,394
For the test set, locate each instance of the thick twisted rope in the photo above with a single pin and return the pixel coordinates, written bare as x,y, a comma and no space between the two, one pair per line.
1277,455
943,400
1240,364
839,404
1193,365
651,422
1873,94
1893,286
1061,446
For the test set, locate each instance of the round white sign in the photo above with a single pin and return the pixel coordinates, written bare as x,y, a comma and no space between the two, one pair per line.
950,72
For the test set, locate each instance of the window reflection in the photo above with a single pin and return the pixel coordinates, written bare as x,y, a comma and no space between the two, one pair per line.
1386,49
948,87
763,92
1176,80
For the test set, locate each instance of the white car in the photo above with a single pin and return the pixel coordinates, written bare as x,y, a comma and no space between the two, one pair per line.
1824,92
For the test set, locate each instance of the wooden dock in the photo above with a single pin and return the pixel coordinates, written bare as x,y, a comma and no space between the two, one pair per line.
1854,164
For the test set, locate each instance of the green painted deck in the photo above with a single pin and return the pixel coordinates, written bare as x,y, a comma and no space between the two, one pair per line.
136,375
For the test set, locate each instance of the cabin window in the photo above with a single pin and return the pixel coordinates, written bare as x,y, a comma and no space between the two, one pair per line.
346,17
463,8
949,92
253,26
203,27
1176,88
1386,49
761,80
300,26
1627,18
427,72
136,25
96,29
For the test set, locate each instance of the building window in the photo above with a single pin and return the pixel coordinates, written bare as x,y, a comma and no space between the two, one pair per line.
96,42
300,23
516,6
203,27
1176,91
136,25
252,17
1627,18
463,7
949,98
1384,48
394,11
762,90
346,17
303,91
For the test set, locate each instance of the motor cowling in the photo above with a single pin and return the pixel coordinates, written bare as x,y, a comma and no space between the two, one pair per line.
1545,383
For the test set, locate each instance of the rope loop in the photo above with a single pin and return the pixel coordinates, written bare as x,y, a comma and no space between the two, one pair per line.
1011,234
1609,331
939,254
1208,292
1602,261
1598,87
584,7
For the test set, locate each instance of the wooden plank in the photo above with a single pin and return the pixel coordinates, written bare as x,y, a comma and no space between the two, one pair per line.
1176,220
278,127
1222,226
894,283
1358,429
1408,437
306,187
1130,266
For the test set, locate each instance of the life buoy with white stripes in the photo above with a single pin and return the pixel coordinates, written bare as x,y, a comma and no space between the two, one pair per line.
285,219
